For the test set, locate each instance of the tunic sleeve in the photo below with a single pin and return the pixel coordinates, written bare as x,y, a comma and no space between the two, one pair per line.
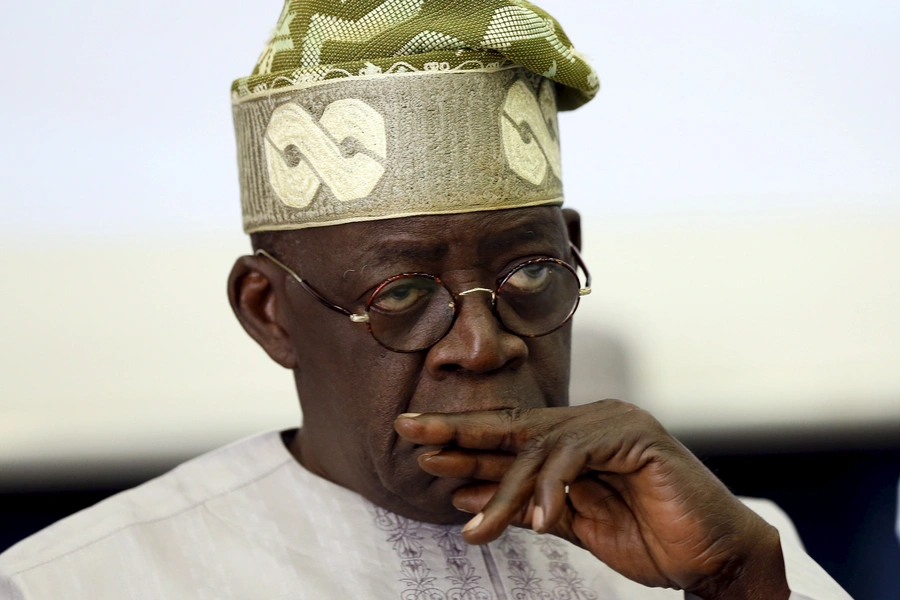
806,579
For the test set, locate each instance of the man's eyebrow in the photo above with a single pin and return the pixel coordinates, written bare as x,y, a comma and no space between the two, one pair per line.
527,232
393,251
404,248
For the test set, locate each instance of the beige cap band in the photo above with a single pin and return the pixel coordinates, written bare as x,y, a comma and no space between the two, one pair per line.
393,145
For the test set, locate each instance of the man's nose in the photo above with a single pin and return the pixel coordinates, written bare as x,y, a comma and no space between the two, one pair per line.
476,343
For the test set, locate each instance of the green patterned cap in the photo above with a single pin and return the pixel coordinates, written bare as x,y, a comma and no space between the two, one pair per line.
361,110
322,39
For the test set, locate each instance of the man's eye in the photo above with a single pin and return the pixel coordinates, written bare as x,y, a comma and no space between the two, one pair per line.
530,278
401,296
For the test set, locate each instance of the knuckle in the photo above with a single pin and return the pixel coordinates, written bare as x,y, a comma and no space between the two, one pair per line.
649,423
513,416
633,426
535,447
617,405
572,437
514,434
634,415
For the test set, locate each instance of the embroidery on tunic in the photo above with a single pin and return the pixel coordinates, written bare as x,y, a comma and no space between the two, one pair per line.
462,572
526,583
570,585
407,536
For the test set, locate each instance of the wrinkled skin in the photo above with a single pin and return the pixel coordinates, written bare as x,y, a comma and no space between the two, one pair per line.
637,499
497,437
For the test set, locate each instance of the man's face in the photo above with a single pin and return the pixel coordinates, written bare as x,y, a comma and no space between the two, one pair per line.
352,389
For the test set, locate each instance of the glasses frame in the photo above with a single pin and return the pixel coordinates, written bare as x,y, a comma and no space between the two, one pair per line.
364,316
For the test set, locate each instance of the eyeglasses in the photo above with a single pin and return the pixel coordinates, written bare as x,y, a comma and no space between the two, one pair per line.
412,312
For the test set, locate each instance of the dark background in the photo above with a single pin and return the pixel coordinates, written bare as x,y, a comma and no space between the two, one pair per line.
839,487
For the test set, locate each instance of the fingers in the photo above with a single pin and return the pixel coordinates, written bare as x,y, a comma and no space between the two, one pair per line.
561,468
473,498
551,476
464,464
510,500
505,430
510,430
534,454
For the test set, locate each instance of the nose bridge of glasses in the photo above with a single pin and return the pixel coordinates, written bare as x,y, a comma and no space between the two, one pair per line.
491,301
475,290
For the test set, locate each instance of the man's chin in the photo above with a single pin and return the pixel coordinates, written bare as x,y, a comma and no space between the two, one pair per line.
433,502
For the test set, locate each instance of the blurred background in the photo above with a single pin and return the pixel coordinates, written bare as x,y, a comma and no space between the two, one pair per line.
739,182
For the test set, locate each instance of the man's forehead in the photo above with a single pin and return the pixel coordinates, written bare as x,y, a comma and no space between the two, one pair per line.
420,240
485,232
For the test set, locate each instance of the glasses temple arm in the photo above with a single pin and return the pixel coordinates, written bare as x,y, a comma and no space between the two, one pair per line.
309,288
587,274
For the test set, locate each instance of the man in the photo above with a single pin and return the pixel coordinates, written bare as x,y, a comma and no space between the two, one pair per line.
401,184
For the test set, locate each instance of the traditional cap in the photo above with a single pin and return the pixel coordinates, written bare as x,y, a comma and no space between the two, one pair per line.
373,109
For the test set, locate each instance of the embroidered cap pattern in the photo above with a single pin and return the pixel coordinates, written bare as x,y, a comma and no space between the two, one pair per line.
301,153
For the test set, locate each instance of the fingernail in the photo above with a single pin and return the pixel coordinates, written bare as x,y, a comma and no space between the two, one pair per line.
430,454
468,512
409,415
537,519
474,523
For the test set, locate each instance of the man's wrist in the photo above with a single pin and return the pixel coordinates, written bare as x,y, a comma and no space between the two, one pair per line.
756,574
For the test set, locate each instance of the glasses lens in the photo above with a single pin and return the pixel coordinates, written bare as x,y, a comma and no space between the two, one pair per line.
410,313
536,298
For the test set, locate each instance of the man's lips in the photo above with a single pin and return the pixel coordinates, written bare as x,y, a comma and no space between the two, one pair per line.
476,393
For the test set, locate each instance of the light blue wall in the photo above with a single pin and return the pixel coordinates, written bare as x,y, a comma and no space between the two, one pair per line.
116,115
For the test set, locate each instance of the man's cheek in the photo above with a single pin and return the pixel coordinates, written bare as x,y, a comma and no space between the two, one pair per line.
551,357
396,378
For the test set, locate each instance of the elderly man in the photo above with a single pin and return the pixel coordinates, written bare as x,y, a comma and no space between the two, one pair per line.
413,267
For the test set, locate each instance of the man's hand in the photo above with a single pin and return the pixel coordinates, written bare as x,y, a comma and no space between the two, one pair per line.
637,498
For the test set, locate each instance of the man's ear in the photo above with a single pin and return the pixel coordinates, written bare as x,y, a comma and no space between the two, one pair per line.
573,225
254,299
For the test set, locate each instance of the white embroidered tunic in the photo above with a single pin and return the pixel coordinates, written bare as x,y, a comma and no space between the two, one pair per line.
248,522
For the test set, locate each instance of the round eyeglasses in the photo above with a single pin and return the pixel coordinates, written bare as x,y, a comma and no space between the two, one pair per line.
412,312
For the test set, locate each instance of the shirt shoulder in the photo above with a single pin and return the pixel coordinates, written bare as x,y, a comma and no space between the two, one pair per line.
187,487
